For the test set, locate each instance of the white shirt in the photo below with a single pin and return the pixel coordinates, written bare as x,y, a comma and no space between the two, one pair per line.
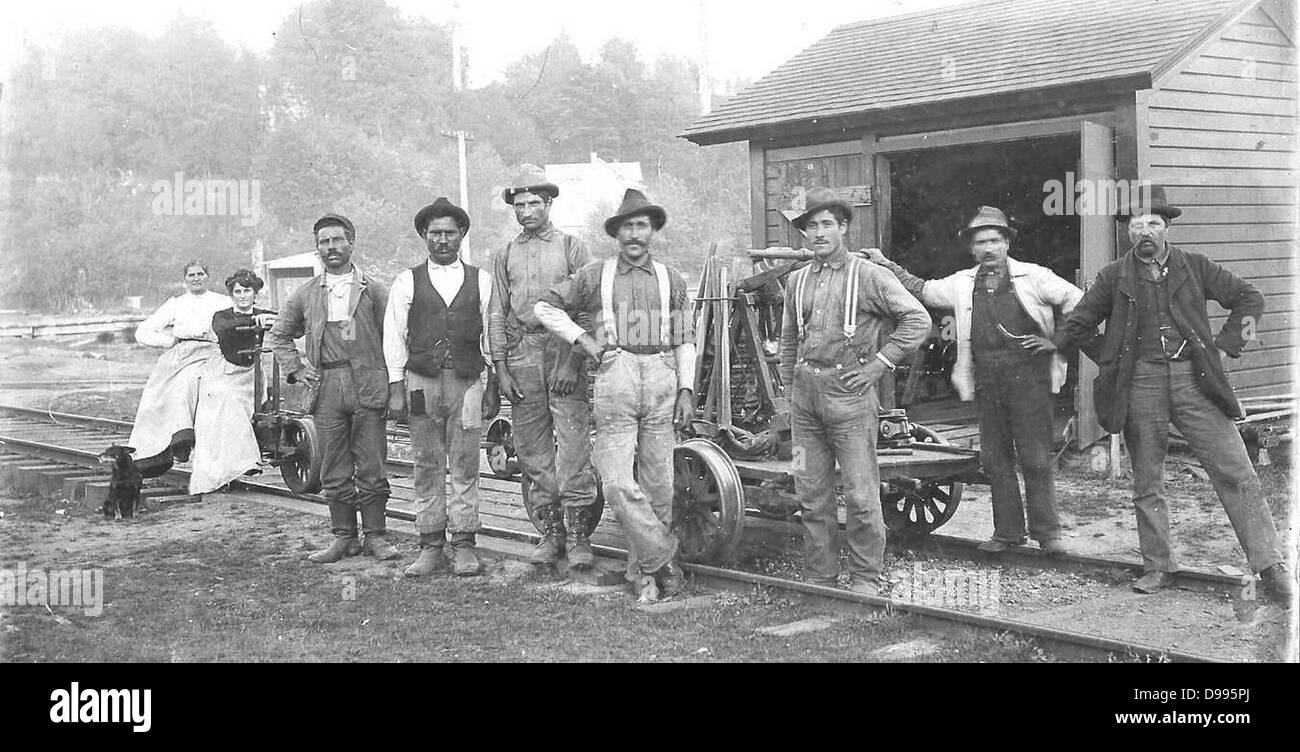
446,280
186,316
338,291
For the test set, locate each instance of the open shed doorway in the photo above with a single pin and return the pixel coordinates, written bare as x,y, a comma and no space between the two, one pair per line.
932,193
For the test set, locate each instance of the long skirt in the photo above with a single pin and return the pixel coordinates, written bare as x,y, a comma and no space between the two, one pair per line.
170,398
225,447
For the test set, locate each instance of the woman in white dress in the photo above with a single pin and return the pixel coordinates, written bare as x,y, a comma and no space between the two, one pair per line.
225,446
164,422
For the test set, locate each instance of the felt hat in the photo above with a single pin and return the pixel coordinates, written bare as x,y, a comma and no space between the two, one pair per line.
530,179
1149,199
441,208
986,217
820,199
635,203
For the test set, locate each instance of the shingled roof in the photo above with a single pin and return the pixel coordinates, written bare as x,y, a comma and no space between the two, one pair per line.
973,50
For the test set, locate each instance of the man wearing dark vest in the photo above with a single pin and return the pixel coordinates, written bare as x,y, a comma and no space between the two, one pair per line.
435,343
1158,362
642,332
340,315
542,375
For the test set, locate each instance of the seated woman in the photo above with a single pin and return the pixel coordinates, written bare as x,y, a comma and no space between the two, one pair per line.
226,447
164,422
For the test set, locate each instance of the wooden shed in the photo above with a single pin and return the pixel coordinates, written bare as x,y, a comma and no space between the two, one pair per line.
919,118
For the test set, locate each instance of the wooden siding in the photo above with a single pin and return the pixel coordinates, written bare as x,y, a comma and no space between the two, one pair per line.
1220,133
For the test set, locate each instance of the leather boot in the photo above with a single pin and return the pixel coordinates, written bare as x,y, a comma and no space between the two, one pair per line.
464,562
551,547
576,541
431,558
343,523
372,523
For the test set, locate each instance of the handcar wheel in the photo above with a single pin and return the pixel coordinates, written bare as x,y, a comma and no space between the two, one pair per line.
300,466
500,450
708,502
922,510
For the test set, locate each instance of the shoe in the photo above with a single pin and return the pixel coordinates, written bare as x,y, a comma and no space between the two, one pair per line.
576,543
432,558
340,549
375,545
864,587
551,547
1153,582
1053,547
1278,582
997,545
464,561
670,580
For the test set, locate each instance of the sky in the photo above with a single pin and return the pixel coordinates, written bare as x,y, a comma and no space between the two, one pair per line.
745,39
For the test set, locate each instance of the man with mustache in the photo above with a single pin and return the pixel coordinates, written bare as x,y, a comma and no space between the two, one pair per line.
831,358
1159,362
542,375
341,314
1009,360
642,332
435,343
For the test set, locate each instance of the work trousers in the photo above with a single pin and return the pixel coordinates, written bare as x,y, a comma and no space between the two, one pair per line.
354,448
1168,391
1013,398
446,417
551,433
633,453
830,423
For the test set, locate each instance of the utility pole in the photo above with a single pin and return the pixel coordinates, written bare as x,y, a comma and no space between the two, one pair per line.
461,137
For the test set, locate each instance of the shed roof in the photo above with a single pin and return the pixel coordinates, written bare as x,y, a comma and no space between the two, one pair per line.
959,52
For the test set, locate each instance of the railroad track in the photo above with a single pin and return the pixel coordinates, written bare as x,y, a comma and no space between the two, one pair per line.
75,440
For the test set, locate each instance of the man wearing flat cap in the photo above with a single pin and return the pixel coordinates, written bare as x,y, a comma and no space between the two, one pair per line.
832,357
435,343
542,375
642,332
1158,362
341,315
1009,361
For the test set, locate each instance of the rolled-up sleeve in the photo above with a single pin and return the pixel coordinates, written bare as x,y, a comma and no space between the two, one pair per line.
911,320
564,296
497,311
789,331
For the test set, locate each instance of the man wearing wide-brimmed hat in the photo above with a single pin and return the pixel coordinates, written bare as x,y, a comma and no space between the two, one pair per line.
832,355
341,315
542,375
642,332
1159,361
1009,360
435,342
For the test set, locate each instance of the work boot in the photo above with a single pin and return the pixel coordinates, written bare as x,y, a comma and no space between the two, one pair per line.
372,524
464,562
577,544
551,547
343,523
431,558
670,580
1277,580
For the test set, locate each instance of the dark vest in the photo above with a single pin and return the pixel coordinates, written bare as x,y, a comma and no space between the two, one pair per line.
441,336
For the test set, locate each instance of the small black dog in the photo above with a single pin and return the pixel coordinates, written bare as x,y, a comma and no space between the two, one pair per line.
124,488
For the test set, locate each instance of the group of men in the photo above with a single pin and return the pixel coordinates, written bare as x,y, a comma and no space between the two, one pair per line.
423,350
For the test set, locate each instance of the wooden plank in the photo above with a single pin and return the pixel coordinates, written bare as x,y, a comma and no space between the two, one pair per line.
988,133
1236,251
1097,248
1264,268
884,213
1264,35
1204,176
1192,195
1166,156
1244,68
1235,140
1257,358
1228,103
1273,321
1234,233
1237,214
1197,83
1169,116
1252,51
1258,377
814,151
757,197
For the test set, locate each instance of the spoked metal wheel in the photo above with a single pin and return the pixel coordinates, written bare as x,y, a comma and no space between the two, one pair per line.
924,508
708,502
300,460
500,449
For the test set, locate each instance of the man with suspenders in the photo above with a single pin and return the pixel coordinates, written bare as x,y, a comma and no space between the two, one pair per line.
642,331
436,350
542,375
831,360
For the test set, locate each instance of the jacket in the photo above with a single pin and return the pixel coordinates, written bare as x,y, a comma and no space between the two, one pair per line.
1193,279
305,313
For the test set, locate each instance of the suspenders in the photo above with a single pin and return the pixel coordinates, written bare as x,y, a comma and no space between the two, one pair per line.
850,298
607,301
